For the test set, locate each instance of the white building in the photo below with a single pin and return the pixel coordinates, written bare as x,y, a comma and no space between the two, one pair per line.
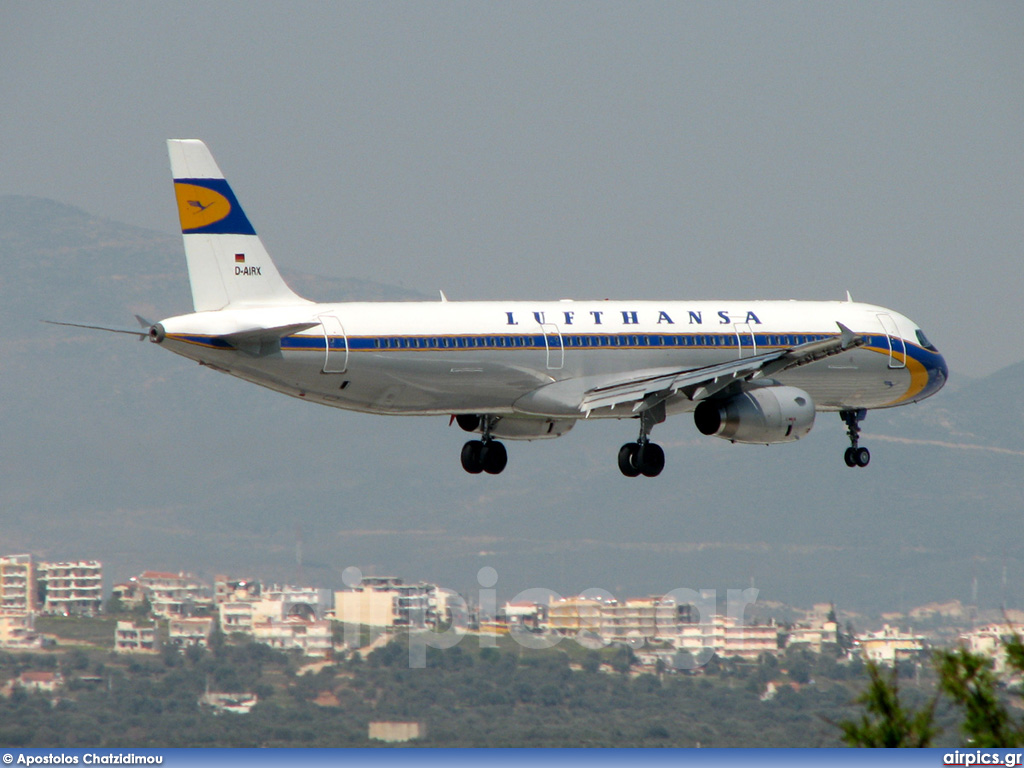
631,620
572,615
525,614
229,590
387,602
173,594
190,631
129,638
17,584
991,641
235,703
313,638
304,602
46,682
814,635
17,633
889,645
646,617
728,637
72,588
242,616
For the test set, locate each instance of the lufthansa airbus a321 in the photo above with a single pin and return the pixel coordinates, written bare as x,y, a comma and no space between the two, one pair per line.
748,371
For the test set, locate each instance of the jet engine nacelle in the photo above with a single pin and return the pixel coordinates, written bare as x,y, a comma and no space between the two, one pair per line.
517,427
772,414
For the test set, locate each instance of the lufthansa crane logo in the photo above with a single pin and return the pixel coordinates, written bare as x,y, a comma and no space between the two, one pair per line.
200,207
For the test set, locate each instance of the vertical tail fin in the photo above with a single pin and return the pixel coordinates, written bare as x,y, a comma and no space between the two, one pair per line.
227,263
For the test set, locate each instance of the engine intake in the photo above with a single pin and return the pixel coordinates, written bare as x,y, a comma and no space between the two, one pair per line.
774,414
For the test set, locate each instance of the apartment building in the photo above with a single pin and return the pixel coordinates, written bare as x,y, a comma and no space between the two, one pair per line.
572,615
387,602
130,638
71,588
17,584
727,637
647,617
243,615
306,602
990,640
814,635
618,620
185,632
173,594
233,590
890,644
18,632
312,638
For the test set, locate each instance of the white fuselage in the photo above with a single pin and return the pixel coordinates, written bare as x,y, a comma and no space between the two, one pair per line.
426,358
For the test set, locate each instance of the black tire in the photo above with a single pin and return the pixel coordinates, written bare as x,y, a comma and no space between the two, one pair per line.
628,459
862,457
472,457
494,458
651,459
850,457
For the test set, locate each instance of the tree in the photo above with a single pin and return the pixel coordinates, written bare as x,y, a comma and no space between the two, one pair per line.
886,723
966,678
114,605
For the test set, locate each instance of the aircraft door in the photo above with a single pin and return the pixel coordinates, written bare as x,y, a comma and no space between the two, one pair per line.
553,344
746,344
336,344
897,347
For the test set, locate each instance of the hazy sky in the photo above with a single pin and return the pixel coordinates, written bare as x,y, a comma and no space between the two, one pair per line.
517,150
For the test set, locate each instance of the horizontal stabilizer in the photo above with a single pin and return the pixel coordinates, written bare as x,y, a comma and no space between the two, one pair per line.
260,342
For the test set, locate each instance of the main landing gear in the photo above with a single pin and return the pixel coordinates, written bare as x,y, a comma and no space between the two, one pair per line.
643,457
855,456
486,455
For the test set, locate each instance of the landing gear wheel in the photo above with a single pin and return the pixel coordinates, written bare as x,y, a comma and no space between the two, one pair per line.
472,457
862,457
487,456
651,459
628,455
494,457
855,456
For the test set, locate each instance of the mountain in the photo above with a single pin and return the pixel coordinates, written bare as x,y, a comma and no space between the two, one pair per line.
115,450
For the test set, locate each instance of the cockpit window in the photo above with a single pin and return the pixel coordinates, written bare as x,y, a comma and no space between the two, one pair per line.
924,341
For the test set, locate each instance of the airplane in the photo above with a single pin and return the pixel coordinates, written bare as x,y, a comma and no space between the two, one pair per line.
749,371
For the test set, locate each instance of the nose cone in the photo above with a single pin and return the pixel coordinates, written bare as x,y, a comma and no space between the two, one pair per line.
938,373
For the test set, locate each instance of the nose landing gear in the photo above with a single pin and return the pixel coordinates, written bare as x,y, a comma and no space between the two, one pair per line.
855,455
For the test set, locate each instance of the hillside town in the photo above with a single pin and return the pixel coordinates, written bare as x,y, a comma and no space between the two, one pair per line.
666,632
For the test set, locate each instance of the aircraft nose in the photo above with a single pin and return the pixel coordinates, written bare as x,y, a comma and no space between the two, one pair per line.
938,374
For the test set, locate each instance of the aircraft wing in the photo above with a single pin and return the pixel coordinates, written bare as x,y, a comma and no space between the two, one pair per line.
647,391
